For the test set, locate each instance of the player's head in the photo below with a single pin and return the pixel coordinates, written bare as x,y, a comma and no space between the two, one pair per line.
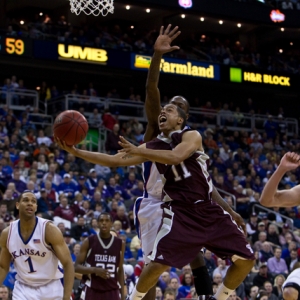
182,103
105,222
171,118
291,291
27,204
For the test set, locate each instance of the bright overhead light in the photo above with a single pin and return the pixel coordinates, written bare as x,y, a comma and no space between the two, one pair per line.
41,13
22,22
291,43
127,7
38,88
201,19
280,50
220,22
131,26
239,25
147,10
182,16
282,29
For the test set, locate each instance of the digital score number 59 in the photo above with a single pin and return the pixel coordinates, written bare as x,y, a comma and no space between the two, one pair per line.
14,46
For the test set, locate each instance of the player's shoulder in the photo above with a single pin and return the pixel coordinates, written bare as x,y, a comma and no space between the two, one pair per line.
52,232
191,132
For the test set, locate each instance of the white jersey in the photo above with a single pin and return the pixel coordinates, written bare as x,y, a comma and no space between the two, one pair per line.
153,184
34,260
294,277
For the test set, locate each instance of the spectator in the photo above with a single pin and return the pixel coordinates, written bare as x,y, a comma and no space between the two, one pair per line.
128,256
186,284
269,289
42,139
67,212
252,225
276,264
174,286
112,142
20,185
221,268
209,262
266,252
67,187
121,216
108,121
292,259
78,229
277,287
92,180
262,276
56,179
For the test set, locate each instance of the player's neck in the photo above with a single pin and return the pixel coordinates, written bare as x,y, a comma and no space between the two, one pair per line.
104,235
27,223
167,133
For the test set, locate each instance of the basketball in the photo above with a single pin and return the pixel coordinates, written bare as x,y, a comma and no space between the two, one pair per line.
71,127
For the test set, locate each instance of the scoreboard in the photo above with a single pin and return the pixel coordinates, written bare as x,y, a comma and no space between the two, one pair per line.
16,46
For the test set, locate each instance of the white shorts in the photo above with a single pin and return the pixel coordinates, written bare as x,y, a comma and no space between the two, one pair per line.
147,215
54,290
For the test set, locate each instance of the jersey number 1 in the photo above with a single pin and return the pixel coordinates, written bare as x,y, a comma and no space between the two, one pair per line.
29,261
185,171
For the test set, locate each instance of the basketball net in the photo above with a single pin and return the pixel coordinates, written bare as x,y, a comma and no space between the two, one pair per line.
92,7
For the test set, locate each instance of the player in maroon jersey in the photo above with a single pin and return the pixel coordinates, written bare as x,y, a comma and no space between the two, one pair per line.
190,219
101,257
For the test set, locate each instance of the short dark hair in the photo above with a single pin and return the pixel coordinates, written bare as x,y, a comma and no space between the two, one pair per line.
25,192
105,214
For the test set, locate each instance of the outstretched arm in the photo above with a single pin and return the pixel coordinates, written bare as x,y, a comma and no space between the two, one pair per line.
152,103
5,256
191,142
270,196
54,238
102,159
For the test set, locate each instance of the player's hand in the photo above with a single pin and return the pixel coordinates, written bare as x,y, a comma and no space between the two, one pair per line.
64,146
128,148
165,38
289,161
101,273
239,221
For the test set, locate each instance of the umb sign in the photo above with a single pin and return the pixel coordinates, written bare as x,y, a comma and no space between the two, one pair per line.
185,3
178,67
82,54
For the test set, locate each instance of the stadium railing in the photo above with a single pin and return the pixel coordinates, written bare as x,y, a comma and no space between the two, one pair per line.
286,219
19,98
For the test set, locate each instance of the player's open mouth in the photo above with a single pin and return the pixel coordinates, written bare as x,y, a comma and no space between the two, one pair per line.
162,119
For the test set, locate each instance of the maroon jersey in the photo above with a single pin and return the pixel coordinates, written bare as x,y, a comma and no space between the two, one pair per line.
188,181
104,253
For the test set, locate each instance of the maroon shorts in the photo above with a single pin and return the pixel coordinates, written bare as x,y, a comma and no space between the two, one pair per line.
187,228
92,294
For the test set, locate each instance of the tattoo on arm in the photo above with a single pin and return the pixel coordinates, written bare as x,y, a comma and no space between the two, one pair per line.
127,157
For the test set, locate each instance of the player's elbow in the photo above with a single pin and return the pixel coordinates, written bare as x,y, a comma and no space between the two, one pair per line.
267,202
175,159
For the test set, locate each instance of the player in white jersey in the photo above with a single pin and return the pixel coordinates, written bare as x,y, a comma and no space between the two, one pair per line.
291,286
36,246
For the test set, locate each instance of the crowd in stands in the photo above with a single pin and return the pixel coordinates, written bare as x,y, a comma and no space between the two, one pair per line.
196,45
73,192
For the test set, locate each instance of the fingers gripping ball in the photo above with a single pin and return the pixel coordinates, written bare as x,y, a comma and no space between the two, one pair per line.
70,126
